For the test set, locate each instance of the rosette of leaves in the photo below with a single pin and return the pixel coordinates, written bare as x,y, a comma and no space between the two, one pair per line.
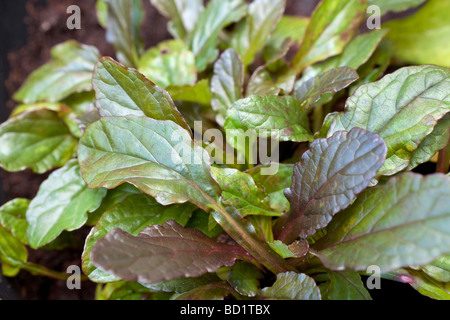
175,214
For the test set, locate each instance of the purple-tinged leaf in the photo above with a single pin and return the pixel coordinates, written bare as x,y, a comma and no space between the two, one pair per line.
160,253
328,179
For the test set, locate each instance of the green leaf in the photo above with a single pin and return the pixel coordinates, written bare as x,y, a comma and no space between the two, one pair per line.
291,286
240,191
61,203
169,64
289,27
121,91
404,222
346,285
279,117
331,81
252,33
101,8
274,184
355,54
36,140
439,269
22,108
212,291
218,15
431,26
244,278
227,83
145,258
421,282
182,15
200,220
403,108
132,214
182,285
122,290
13,253
262,82
332,172
331,27
69,71
117,150
395,5
432,144
13,218
282,249
123,29
199,93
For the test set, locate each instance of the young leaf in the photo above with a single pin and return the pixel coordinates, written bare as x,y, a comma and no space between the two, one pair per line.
240,191
402,108
331,81
355,54
328,179
204,38
251,34
275,184
281,117
13,218
169,64
182,15
331,27
290,28
282,249
430,25
134,213
123,29
115,150
69,71
198,93
227,83
160,253
36,140
60,204
244,278
404,222
121,91
291,286
345,285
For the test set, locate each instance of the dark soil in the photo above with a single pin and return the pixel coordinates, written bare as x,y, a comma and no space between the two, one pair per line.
46,26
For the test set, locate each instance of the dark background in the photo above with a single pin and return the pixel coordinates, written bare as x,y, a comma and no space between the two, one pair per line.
28,30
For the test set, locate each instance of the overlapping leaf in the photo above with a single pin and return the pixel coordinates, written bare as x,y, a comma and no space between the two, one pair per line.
121,91
402,223
331,27
134,213
123,29
291,286
182,15
62,203
281,117
204,37
115,150
227,83
251,34
169,64
145,258
69,71
402,108
36,140
328,179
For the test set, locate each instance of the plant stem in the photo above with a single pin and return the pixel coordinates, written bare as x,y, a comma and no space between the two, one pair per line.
261,252
37,269
318,118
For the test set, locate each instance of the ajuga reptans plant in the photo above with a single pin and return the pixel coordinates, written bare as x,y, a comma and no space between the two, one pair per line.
224,164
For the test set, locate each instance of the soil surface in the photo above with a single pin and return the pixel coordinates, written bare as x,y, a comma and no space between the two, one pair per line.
46,26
